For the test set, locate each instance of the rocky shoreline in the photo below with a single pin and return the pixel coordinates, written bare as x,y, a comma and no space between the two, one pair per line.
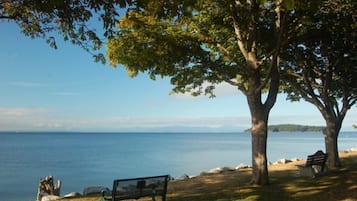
277,165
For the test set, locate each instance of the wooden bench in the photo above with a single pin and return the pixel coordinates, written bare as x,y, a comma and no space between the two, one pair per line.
315,165
124,189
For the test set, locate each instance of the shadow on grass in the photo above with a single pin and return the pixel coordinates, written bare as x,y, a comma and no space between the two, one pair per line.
233,186
339,185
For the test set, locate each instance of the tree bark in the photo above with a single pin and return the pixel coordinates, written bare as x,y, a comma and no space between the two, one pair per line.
260,78
331,142
259,145
259,115
333,160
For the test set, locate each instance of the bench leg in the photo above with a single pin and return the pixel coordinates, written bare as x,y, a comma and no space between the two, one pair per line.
153,194
306,171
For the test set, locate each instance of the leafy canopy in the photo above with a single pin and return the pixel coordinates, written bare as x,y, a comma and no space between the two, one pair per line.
69,18
321,66
194,42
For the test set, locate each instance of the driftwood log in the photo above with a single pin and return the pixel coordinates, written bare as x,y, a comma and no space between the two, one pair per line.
46,187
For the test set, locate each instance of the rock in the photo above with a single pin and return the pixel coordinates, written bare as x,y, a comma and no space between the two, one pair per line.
242,166
296,159
72,195
227,169
204,173
95,190
184,177
215,170
218,170
50,197
282,161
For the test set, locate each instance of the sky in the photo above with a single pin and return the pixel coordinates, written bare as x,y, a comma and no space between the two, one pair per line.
46,89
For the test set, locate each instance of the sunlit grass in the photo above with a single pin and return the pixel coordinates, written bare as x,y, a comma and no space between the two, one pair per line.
285,185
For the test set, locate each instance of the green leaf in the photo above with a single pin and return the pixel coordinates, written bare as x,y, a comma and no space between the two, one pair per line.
289,4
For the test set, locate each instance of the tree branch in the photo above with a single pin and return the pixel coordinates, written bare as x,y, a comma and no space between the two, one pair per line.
309,91
7,17
237,31
273,71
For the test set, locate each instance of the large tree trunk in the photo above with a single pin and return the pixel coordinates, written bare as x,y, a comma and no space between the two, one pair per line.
331,142
259,112
333,160
259,147
259,116
260,77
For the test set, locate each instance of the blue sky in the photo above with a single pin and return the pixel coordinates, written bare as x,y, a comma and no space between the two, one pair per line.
43,89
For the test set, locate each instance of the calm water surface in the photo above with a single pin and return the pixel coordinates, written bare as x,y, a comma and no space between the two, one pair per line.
92,159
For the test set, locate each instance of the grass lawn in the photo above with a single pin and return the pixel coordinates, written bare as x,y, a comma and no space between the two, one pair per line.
285,185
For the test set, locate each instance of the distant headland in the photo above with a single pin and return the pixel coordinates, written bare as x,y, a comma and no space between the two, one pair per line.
292,128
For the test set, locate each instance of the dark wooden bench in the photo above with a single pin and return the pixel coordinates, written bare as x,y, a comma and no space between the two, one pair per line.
315,165
124,189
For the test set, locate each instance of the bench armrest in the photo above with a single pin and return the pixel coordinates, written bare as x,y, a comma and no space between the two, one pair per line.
102,197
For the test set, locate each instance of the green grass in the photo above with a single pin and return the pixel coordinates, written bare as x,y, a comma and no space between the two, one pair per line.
337,185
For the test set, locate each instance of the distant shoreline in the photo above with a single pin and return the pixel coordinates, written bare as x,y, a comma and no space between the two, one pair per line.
292,128
143,132
245,132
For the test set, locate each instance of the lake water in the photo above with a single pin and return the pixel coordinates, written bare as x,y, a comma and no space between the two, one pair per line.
92,159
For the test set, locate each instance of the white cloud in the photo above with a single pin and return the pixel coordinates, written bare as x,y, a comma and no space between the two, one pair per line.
225,89
42,119
20,118
20,112
163,124
311,120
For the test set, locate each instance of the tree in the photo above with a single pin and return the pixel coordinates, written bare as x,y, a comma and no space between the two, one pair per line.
321,67
70,19
208,42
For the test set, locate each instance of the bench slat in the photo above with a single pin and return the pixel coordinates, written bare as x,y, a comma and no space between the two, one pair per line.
136,188
317,159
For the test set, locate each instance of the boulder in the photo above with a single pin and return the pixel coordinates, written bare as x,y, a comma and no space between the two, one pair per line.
204,173
72,195
215,170
296,159
184,177
282,161
50,197
242,166
95,190
227,169
220,170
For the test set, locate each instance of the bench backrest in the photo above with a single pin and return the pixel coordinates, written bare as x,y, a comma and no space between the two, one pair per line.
318,158
140,187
